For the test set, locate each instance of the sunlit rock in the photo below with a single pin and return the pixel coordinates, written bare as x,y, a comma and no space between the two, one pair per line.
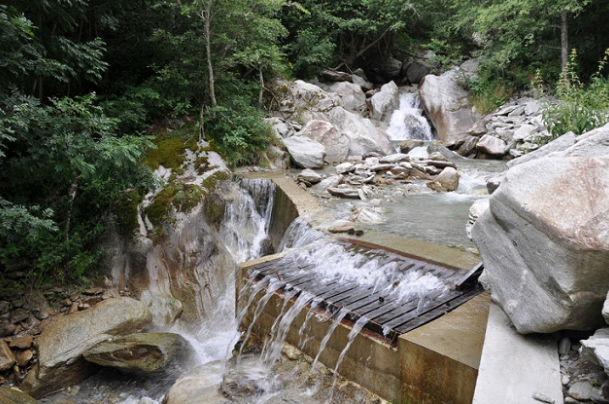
66,338
545,243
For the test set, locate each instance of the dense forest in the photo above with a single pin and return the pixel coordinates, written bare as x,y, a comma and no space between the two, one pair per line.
82,82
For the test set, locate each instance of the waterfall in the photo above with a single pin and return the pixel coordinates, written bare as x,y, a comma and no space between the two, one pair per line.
407,122
247,218
298,234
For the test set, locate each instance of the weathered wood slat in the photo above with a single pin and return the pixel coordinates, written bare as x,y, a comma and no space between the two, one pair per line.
387,315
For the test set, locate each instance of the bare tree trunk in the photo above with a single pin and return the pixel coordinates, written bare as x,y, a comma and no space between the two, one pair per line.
260,96
564,40
207,15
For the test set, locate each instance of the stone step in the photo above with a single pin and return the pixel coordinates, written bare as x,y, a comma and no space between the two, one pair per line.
516,368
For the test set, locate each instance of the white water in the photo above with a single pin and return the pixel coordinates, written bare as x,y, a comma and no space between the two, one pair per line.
407,122
329,262
247,217
357,327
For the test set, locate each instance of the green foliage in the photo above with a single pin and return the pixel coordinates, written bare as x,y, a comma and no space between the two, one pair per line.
238,132
581,108
313,52
61,173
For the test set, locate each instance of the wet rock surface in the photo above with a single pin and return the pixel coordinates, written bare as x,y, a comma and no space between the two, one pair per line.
66,338
155,352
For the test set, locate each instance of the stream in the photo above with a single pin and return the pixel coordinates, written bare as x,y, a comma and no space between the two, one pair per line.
260,374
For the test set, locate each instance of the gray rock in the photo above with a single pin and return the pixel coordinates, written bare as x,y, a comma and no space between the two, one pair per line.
364,84
564,346
344,192
447,105
407,145
364,137
334,75
493,183
559,144
164,308
596,348
394,158
335,142
310,176
524,132
532,108
382,167
304,152
385,101
345,168
581,391
492,145
351,94
449,179
66,338
540,241
329,182
280,128
475,211
417,69
143,353
479,128
590,144
468,146
199,386
14,396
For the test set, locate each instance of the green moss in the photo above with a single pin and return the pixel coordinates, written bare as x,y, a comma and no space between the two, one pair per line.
182,197
202,164
171,147
125,209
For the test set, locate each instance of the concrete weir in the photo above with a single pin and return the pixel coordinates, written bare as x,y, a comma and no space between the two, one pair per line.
436,362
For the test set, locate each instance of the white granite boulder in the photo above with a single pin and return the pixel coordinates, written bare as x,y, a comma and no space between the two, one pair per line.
545,243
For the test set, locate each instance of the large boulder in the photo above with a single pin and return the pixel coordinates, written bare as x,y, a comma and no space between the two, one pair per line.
416,69
335,141
351,94
66,338
545,244
447,105
364,136
143,353
305,152
385,102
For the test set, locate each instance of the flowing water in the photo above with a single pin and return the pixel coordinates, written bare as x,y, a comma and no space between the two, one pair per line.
408,121
410,210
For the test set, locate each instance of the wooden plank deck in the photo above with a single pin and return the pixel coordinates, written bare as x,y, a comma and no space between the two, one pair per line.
387,316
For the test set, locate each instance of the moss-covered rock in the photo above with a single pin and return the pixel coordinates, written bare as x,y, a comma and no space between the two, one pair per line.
183,197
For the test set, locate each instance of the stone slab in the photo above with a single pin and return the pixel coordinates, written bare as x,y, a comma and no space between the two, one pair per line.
515,367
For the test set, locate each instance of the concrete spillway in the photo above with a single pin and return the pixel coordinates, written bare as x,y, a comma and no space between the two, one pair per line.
408,350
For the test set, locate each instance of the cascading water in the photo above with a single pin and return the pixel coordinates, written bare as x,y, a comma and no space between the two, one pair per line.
247,217
407,122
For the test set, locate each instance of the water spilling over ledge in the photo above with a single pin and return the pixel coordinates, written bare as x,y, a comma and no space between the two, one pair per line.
408,328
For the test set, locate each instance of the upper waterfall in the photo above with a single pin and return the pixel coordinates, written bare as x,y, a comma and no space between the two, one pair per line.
407,122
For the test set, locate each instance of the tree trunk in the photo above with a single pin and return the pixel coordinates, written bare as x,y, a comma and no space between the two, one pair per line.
564,40
207,14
